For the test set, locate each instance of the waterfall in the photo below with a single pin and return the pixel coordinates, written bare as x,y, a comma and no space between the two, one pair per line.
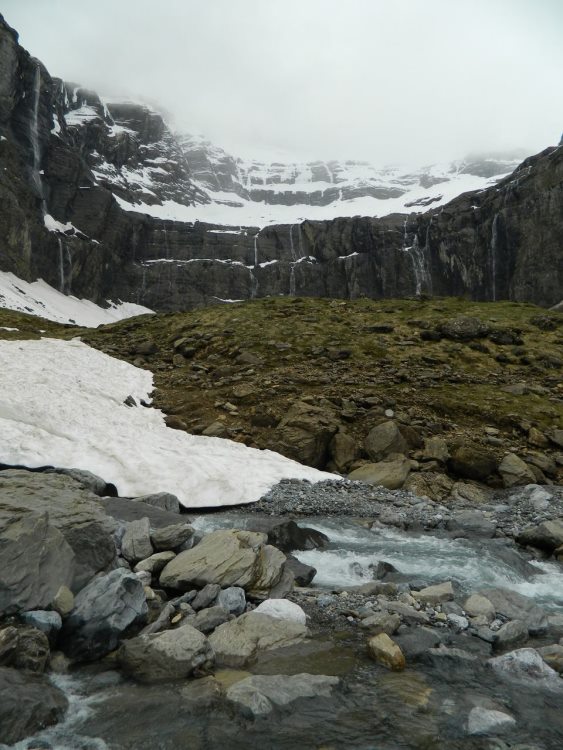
292,279
166,248
419,259
69,274
61,266
300,241
141,291
494,248
256,249
34,135
254,285
291,245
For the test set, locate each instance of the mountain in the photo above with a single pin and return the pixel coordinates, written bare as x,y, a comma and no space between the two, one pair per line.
102,200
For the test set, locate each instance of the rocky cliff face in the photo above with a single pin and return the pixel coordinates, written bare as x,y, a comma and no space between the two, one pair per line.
87,184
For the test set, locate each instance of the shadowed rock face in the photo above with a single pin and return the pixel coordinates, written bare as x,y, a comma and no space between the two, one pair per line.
67,154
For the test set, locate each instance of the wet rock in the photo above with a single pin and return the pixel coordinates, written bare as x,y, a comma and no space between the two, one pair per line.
441,592
383,439
171,655
287,536
228,558
417,641
390,473
136,543
487,721
237,642
303,574
514,606
282,609
470,462
260,694
471,523
172,537
511,634
547,536
104,610
24,647
383,650
448,659
525,665
28,703
233,600
514,471
382,622
47,622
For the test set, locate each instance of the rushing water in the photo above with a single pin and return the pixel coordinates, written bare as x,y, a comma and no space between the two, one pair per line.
424,708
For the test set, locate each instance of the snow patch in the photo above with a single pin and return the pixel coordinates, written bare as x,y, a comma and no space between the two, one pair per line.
62,404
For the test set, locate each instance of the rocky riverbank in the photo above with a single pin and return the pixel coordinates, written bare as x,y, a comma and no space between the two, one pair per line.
221,616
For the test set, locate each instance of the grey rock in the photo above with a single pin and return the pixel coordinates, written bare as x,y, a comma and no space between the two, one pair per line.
125,510
89,481
383,439
547,536
233,600
515,606
511,634
171,537
104,610
163,500
487,721
471,523
440,592
514,471
391,472
381,623
417,641
24,647
155,563
206,596
136,543
47,622
63,602
260,694
171,655
553,656
478,605
237,642
206,620
525,665
28,703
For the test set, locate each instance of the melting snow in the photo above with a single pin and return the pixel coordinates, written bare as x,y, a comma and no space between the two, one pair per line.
38,298
61,404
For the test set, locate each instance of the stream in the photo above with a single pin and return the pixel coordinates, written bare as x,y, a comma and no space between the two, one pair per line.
426,707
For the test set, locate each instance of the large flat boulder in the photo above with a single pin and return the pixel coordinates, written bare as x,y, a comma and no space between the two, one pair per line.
171,655
28,703
237,642
547,535
260,694
228,558
103,611
72,509
515,606
35,560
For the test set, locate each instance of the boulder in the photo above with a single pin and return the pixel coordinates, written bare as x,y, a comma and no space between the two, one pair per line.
163,500
303,574
477,605
237,642
383,650
383,439
136,543
287,535
430,484
547,536
471,523
125,510
172,537
259,694
232,600
35,560
63,602
470,462
514,606
305,433
381,622
282,609
487,721
24,647
464,328
171,655
227,558
391,473
155,563
104,610
415,642
525,665
343,450
28,703
73,510
512,633
89,481
553,656
206,596
47,622
206,620
440,592
435,449
515,472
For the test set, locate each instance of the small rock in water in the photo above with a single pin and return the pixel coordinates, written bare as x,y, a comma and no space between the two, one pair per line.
385,651
486,721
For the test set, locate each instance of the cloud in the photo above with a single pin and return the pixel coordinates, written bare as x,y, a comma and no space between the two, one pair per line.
407,80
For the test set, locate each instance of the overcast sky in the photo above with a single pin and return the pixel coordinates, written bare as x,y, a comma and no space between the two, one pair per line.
383,80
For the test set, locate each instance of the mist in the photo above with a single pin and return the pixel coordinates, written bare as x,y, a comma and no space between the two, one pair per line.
407,81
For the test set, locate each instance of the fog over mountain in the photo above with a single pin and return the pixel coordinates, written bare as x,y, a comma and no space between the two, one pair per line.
407,81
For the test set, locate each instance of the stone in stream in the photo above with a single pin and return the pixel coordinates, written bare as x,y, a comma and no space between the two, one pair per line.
547,536
24,647
233,600
526,665
282,609
103,611
440,592
170,655
416,641
471,523
28,703
515,606
260,694
237,642
477,605
288,536
487,721
553,656
136,543
383,650
381,622
228,558
303,574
